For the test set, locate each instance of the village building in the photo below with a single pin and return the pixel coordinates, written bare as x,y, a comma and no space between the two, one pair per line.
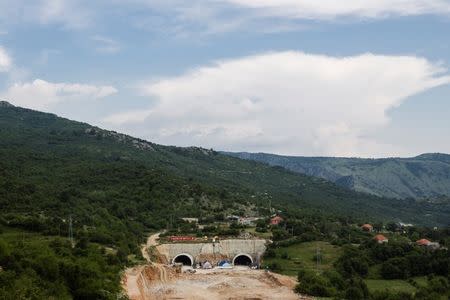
380,239
276,220
429,244
423,242
233,218
367,227
190,220
247,220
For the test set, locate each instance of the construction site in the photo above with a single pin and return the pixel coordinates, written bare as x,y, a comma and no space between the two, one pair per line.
217,269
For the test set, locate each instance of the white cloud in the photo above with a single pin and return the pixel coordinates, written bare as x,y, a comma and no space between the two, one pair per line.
105,44
41,95
329,9
285,102
5,60
182,18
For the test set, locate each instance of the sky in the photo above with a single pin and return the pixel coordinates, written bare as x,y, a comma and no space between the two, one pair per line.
359,78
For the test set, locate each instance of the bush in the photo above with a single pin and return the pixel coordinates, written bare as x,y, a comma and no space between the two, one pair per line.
275,267
279,234
390,295
352,262
353,293
395,268
270,253
313,284
356,283
438,284
335,279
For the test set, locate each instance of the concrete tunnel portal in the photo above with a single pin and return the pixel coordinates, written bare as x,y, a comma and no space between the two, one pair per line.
184,258
242,260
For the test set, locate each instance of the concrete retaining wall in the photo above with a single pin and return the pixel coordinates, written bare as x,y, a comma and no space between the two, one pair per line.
215,252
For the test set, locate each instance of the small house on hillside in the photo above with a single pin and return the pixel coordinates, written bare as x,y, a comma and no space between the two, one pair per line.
190,220
247,220
367,227
423,242
233,218
380,239
276,220
429,244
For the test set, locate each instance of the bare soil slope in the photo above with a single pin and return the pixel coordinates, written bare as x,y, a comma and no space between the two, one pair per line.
238,283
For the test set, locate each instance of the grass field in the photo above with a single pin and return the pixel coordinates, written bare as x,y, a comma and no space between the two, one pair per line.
396,285
263,235
302,255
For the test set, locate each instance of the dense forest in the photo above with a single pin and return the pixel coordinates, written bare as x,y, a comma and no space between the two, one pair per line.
116,189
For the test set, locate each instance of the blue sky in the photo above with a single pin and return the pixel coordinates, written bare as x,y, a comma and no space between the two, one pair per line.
301,77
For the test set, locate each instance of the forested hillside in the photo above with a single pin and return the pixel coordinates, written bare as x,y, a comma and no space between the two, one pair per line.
53,164
117,188
424,176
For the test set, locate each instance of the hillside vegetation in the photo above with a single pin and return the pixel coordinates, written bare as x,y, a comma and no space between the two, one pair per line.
53,167
117,189
424,176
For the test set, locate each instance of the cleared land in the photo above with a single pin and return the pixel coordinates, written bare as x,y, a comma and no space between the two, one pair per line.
160,282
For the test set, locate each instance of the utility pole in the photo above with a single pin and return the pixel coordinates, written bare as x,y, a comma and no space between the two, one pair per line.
71,232
318,258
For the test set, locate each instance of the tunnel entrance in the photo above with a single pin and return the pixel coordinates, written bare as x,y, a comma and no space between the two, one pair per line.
242,260
184,259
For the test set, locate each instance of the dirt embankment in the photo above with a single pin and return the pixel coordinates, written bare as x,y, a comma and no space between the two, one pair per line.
158,281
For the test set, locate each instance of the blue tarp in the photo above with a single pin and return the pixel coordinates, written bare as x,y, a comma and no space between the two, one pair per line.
224,262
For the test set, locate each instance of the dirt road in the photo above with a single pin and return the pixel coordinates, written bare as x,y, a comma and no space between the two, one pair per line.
151,241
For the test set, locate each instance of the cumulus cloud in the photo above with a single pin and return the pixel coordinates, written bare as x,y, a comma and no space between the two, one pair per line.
5,60
284,102
40,94
328,9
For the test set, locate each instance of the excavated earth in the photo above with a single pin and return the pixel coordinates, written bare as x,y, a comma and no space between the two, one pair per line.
160,281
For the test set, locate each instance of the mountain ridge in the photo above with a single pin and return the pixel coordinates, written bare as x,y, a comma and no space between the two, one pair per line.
57,158
423,176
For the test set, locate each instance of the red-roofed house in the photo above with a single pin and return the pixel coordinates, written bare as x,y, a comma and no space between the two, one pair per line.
276,220
367,227
380,239
423,242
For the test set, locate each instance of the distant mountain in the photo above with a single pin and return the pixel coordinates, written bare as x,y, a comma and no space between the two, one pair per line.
424,176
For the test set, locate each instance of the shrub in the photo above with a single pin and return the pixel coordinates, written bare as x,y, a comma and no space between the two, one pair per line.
313,284
438,284
395,268
353,293
274,267
352,262
270,253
